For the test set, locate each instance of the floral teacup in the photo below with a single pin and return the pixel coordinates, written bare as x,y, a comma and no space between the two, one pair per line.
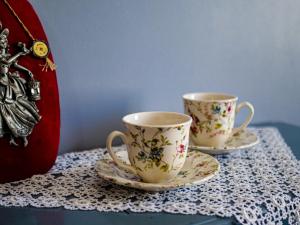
213,117
157,144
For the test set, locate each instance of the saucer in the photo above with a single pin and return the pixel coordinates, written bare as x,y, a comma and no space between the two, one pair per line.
198,168
241,140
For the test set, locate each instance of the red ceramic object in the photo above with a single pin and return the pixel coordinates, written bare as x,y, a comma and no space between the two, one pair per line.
40,154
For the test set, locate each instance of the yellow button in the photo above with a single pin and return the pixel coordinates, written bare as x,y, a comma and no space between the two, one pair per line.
40,49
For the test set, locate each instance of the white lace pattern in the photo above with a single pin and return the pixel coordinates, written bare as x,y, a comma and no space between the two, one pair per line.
260,185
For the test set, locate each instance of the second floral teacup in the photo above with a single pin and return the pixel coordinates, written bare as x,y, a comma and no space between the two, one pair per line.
213,117
156,142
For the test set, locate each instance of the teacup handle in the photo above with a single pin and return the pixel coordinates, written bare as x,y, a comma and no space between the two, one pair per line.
248,119
121,164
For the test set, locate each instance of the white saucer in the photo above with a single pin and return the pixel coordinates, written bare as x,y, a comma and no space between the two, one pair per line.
241,140
198,168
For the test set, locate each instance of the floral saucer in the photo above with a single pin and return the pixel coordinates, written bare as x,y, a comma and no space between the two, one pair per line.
241,140
198,168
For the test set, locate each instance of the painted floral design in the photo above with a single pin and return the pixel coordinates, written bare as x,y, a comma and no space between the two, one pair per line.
151,150
181,148
241,140
198,167
212,118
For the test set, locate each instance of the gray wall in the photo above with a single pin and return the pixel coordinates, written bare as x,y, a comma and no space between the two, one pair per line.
120,56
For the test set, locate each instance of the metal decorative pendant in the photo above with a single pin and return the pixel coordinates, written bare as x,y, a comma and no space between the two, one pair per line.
18,111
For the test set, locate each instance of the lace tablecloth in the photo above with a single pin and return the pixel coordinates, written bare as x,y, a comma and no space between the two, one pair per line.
260,185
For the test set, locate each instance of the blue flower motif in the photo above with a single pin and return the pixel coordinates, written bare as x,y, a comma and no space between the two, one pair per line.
216,109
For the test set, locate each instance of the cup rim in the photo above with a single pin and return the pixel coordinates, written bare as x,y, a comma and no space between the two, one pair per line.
229,97
186,117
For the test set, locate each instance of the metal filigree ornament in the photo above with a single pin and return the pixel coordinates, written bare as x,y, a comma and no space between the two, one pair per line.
18,93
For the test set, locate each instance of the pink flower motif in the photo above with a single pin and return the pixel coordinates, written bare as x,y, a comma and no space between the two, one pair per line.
229,108
181,148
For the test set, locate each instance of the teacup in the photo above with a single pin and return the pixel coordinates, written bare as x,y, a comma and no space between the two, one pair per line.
157,144
213,117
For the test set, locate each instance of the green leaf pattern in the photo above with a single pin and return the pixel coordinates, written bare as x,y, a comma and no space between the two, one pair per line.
151,151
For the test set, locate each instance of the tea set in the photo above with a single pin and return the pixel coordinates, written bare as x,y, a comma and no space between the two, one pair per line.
167,150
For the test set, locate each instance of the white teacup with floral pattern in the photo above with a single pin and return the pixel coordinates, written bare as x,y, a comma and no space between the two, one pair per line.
157,144
213,117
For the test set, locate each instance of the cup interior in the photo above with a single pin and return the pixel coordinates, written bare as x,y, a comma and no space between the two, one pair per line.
209,97
157,119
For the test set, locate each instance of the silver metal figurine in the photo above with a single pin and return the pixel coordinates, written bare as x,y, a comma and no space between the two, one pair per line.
18,111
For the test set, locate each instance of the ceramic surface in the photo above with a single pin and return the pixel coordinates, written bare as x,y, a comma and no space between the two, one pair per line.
241,140
157,144
198,168
213,117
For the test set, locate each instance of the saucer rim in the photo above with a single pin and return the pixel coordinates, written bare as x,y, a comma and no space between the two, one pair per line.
154,186
224,150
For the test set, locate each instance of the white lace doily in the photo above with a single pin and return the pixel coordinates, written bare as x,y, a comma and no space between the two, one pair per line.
257,186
